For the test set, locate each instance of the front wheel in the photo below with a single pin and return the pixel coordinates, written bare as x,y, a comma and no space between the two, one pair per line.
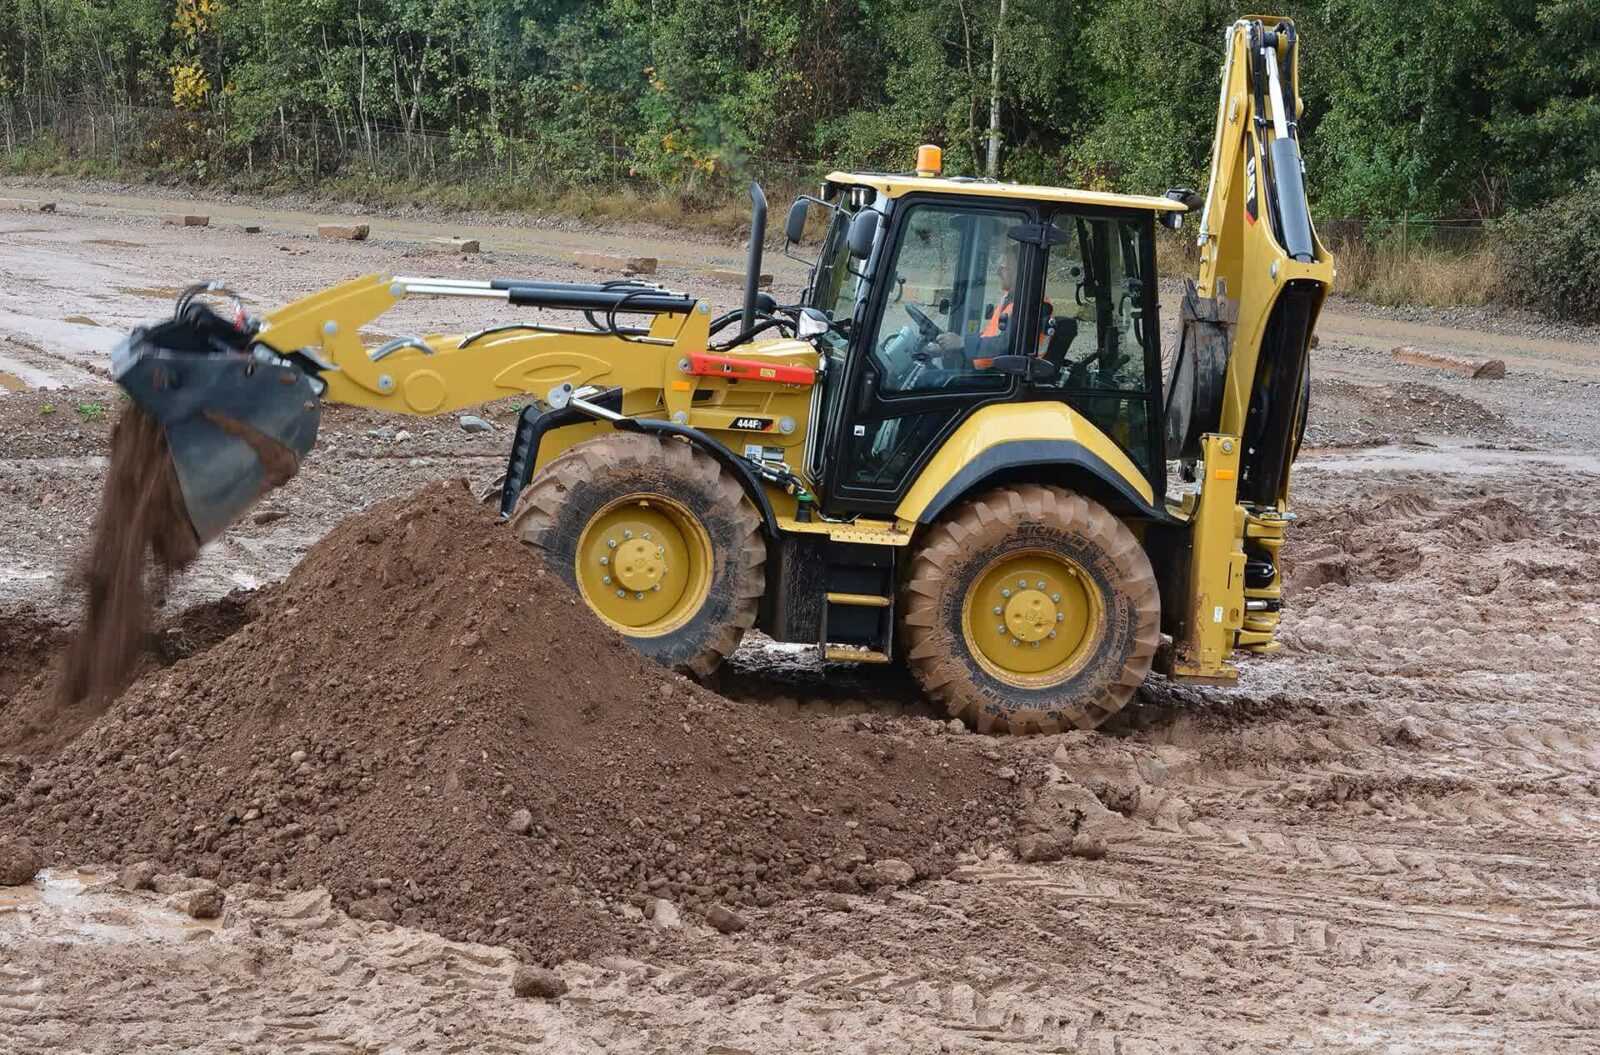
657,538
1031,609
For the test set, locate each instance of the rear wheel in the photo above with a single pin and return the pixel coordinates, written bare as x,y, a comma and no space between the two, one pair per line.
1031,609
657,538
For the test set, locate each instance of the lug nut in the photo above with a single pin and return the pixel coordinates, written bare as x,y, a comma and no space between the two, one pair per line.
604,561
657,586
1056,597
1005,593
1052,633
1061,617
622,593
1022,584
1015,643
607,580
1040,584
647,534
627,534
997,609
611,542
661,551
638,597
1000,628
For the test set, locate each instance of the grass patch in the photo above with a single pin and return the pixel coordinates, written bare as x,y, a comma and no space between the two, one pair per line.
1434,277
721,210
1381,273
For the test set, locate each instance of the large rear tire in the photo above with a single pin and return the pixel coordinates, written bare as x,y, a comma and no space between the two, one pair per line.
1031,609
657,538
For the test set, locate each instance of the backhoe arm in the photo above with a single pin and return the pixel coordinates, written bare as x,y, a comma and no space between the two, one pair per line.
1244,357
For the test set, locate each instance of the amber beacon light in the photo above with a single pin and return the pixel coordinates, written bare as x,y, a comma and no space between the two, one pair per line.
930,160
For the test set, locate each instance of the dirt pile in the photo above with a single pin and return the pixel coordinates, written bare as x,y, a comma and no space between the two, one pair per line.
33,655
1347,414
427,723
141,513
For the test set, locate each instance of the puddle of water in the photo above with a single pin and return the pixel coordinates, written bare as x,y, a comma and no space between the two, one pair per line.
89,907
12,383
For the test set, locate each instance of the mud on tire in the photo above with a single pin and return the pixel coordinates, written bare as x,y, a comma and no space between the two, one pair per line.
611,471
1005,525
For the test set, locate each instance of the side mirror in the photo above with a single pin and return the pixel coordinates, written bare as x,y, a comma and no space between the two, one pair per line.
863,231
1187,198
794,228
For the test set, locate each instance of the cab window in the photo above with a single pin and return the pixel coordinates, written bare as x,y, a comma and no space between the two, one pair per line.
951,288
1095,296
1094,289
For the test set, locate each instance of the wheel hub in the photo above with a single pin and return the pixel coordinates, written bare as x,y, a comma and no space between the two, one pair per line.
1033,617
640,564
643,564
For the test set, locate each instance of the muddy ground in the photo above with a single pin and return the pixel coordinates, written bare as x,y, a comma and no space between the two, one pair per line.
1382,839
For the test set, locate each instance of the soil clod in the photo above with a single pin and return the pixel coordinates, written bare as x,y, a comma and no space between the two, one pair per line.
19,862
725,919
537,982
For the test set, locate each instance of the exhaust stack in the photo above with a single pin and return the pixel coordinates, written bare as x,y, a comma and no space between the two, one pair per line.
752,267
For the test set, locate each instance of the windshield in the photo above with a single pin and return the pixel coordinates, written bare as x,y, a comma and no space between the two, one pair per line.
834,290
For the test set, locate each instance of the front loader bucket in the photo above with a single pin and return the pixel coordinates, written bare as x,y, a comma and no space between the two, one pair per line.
238,419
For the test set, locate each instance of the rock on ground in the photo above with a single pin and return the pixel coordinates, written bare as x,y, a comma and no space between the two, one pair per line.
535,981
141,875
890,871
19,862
205,903
725,919
1043,846
664,914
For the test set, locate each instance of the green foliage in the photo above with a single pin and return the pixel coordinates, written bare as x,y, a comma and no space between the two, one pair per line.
1439,107
1551,254
91,411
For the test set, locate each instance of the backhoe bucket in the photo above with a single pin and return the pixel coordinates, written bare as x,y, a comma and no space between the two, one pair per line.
238,419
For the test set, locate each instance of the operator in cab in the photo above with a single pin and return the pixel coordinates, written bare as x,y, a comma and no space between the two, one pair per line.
994,338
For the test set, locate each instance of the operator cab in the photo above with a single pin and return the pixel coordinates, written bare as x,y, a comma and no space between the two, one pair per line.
947,295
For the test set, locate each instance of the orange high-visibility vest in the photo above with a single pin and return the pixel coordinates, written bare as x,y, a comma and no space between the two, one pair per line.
991,328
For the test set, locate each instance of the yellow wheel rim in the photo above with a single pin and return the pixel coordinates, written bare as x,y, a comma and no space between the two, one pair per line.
1032,618
644,565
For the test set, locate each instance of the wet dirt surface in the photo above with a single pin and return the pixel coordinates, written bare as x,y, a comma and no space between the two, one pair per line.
1382,839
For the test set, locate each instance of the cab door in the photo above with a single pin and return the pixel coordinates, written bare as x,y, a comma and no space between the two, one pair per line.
950,270
1101,300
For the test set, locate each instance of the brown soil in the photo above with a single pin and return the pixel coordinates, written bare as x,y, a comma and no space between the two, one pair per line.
35,650
417,681
141,513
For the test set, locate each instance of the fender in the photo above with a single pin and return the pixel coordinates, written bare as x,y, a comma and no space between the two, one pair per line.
1030,435
537,420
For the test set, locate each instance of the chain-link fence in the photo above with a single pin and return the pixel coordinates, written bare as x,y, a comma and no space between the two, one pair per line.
1407,234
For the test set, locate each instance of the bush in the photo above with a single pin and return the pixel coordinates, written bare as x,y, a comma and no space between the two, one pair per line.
1551,255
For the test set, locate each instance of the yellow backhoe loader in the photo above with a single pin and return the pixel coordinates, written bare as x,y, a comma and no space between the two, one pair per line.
955,449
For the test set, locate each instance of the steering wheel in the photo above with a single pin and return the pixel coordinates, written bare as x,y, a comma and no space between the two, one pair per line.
929,329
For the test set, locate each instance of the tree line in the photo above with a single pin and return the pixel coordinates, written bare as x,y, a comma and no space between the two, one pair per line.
1448,108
